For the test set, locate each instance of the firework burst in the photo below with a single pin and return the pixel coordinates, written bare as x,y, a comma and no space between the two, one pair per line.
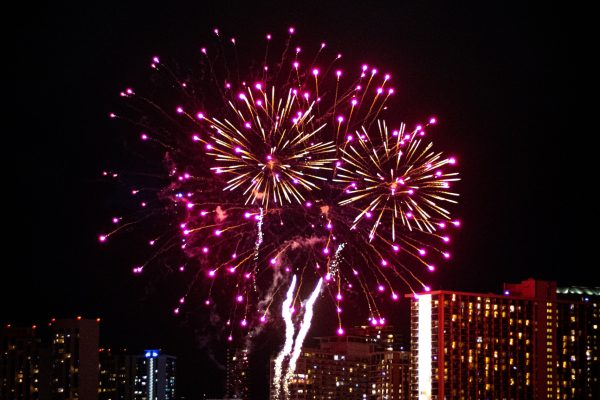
289,170
397,183
274,156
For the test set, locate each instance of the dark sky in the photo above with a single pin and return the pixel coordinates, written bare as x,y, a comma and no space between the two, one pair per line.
496,75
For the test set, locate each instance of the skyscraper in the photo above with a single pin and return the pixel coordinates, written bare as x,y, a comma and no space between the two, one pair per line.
58,361
117,374
577,339
154,377
74,359
147,376
19,363
524,344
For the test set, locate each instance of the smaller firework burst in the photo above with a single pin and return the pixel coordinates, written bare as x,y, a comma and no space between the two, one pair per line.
396,183
272,154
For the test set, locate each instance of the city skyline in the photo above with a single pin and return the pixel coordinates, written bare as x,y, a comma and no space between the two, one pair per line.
497,87
530,340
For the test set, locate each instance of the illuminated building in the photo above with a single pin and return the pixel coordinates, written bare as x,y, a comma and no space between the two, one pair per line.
525,344
73,358
57,361
117,372
578,367
154,376
365,363
237,374
149,376
19,363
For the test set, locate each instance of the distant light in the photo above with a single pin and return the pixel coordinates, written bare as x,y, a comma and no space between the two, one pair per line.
151,353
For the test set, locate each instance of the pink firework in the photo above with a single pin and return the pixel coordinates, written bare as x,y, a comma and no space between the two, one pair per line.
289,169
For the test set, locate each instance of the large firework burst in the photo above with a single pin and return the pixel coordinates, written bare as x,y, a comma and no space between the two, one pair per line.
290,170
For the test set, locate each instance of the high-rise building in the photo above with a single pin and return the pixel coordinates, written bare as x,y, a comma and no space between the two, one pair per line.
365,363
524,344
73,352
389,362
117,372
19,363
236,384
58,361
389,377
577,339
147,376
154,377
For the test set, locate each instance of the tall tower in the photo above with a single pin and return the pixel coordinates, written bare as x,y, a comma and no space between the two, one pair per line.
154,376
73,359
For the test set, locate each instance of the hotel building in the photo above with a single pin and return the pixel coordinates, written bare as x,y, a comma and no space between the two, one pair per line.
531,342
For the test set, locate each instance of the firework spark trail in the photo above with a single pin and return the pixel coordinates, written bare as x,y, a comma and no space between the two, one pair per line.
259,236
299,341
336,260
286,312
259,241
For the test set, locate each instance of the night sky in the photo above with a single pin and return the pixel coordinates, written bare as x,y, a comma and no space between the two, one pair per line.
497,77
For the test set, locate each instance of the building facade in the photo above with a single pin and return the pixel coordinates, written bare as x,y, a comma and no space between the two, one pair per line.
525,344
236,381
146,376
154,376
19,363
366,363
74,359
117,371
58,361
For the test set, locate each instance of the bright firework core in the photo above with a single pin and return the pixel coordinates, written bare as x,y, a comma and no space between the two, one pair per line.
276,157
291,169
